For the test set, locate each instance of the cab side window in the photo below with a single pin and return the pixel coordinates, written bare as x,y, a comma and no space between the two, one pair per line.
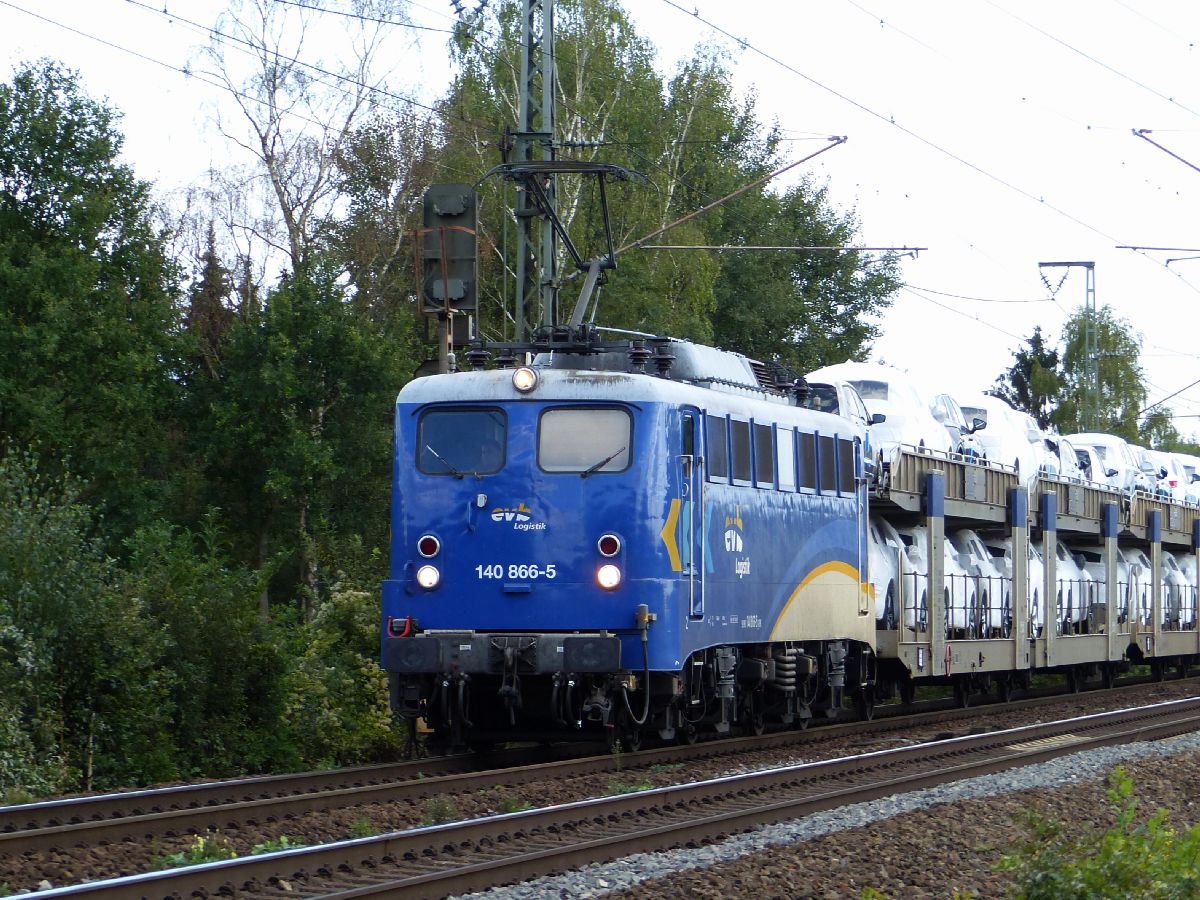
718,447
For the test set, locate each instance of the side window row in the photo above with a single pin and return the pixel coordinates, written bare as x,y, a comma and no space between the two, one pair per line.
778,456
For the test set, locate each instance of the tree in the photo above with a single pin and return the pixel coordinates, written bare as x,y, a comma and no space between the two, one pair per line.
209,314
1034,382
299,115
803,309
383,171
296,433
82,687
1121,388
88,319
696,142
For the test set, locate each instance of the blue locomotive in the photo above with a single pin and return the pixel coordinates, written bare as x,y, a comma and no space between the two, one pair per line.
624,539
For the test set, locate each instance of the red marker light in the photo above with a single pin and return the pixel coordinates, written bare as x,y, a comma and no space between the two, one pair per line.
609,545
428,546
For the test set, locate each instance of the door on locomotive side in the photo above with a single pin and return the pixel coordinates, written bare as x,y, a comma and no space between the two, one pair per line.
690,530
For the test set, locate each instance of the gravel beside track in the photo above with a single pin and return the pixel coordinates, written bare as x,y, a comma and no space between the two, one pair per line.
927,844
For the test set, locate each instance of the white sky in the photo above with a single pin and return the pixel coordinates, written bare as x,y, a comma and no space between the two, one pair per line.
996,133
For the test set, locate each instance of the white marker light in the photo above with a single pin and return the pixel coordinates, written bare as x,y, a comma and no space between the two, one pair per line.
428,577
525,379
608,576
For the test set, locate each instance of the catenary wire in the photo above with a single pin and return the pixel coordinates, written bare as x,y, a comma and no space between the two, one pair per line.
158,62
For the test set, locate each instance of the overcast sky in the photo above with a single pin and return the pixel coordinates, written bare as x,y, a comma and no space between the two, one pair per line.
995,133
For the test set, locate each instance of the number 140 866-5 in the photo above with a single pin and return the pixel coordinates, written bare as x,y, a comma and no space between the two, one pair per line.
515,572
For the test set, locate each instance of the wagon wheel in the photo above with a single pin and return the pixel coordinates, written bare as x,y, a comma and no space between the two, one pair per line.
962,692
1074,680
1004,688
888,622
864,702
1108,675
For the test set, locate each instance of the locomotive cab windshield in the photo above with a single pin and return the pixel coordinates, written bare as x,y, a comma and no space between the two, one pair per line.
462,442
584,440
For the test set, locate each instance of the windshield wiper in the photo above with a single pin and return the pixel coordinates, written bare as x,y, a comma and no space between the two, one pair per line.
453,471
600,465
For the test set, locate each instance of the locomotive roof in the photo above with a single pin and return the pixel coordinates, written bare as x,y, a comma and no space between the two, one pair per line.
558,384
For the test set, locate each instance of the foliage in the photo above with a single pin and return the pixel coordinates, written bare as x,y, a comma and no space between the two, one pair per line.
363,827
1033,383
87,314
624,787
439,810
1132,860
1049,383
1122,383
283,842
337,703
294,123
511,805
804,309
81,682
212,846
296,433
695,142
226,694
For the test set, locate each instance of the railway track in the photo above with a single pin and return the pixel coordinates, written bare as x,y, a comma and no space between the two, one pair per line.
449,859
196,809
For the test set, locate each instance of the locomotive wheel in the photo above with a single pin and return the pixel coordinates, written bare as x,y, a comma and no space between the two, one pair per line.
686,733
754,720
623,737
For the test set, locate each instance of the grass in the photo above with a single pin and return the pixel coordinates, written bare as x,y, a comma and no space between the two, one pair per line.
439,810
509,805
362,827
283,842
1139,858
666,767
212,846
620,787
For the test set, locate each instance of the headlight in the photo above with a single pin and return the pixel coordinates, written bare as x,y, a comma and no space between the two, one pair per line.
524,379
428,577
608,576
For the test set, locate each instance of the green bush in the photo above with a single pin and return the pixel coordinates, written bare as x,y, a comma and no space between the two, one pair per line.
337,703
1131,861
227,662
81,678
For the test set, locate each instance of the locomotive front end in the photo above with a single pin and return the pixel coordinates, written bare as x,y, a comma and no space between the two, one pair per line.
523,582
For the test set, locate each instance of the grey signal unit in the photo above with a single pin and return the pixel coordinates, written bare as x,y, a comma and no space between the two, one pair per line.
449,250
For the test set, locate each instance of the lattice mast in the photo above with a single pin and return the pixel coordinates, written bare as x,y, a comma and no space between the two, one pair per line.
536,289
1090,397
